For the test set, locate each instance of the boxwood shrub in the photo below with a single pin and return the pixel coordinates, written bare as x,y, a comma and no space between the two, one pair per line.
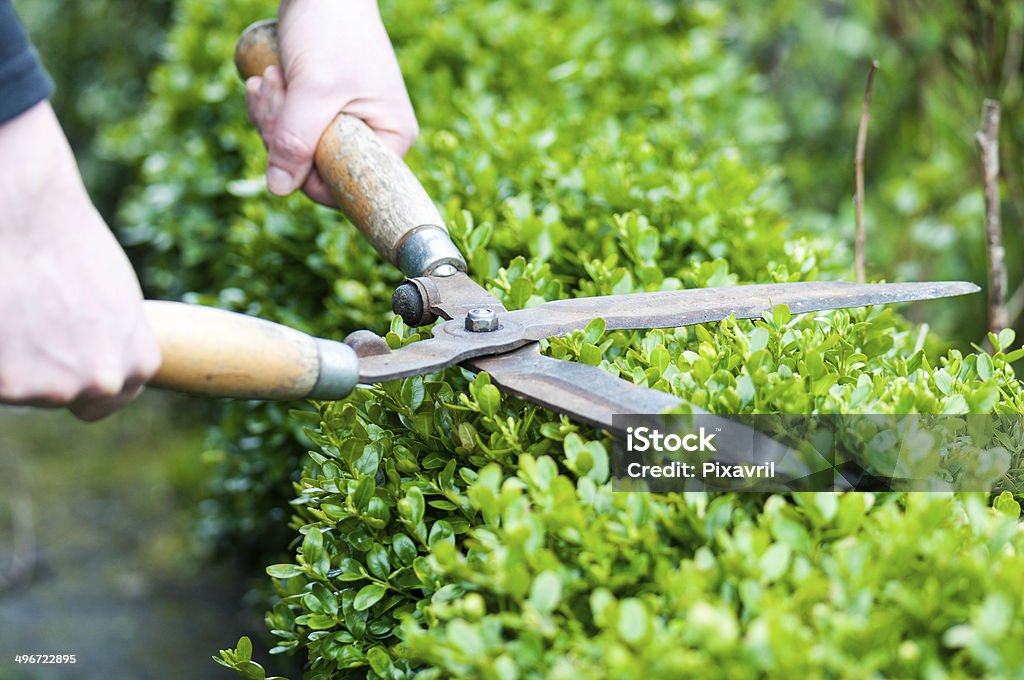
441,529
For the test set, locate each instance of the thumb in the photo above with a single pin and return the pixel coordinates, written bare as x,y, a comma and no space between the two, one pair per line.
303,119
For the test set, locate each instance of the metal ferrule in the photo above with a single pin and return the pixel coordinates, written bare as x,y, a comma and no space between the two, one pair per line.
339,370
426,250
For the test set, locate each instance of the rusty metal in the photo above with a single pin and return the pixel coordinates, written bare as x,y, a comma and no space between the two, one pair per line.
421,300
367,343
670,309
584,392
593,396
453,344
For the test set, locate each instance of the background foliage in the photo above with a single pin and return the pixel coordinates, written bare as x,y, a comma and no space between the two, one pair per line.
922,167
98,55
442,528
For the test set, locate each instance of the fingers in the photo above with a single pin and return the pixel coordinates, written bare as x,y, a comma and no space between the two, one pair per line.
304,114
92,408
317,189
264,97
94,390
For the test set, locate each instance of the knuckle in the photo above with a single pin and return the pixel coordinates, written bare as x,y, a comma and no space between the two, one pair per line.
12,394
411,132
316,81
289,146
147,365
102,384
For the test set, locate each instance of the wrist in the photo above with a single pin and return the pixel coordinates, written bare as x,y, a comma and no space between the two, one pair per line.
36,164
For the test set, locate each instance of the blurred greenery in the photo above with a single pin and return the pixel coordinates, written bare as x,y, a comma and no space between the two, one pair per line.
923,196
98,54
98,516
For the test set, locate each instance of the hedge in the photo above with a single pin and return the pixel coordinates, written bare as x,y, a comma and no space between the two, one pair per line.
441,529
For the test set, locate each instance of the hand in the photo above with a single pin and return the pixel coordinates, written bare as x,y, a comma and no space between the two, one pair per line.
73,332
336,57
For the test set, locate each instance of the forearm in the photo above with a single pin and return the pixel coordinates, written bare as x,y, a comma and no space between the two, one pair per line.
36,164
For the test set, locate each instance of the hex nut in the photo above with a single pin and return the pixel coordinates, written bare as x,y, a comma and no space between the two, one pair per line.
481,320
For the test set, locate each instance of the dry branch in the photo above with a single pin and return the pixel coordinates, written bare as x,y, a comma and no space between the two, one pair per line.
988,143
1015,307
858,198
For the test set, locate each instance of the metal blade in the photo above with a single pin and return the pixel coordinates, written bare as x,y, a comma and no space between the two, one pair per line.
669,309
450,345
590,395
584,393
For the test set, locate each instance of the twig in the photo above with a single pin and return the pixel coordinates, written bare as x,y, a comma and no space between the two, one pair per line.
988,143
922,335
858,198
1015,306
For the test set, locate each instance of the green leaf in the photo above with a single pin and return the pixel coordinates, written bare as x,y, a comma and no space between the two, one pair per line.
321,622
943,381
1007,505
412,392
758,339
404,549
313,551
633,624
441,532
243,652
368,596
380,662
250,669
466,639
594,330
377,561
984,366
1006,338
546,591
775,561
781,315
284,570
363,493
489,399
414,504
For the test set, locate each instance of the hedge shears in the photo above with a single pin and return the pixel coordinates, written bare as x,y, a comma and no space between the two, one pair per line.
225,354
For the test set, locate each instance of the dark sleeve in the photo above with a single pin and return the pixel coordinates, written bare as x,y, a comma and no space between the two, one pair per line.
23,82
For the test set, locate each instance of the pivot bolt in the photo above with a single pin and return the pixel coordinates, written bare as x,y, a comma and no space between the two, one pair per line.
481,320
407,302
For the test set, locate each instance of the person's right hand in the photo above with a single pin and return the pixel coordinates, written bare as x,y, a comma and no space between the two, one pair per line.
72,329
335,57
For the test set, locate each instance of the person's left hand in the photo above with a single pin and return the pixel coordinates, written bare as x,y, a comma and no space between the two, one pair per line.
335,57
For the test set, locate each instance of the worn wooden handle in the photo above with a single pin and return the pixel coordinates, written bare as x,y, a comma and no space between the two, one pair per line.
368,181
223,354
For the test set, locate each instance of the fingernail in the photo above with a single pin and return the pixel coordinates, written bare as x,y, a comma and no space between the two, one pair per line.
279,181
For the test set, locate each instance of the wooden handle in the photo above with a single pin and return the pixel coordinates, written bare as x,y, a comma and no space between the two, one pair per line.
223,354
372,186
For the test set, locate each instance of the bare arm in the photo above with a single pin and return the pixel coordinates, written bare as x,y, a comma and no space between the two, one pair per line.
72,331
